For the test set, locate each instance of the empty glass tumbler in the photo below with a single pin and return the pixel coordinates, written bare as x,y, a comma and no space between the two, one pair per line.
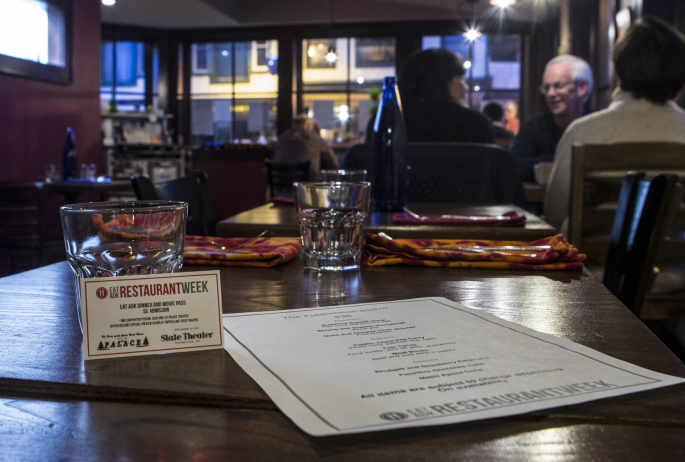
105,239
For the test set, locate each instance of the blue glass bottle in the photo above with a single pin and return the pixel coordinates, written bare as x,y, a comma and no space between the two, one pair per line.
69,157
389,182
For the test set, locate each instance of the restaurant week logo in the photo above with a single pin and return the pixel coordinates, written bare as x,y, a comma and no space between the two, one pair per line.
101,293
152,290
480,404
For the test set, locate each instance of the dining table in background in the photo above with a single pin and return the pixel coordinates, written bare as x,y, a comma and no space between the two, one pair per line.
72,190
203,406
281,221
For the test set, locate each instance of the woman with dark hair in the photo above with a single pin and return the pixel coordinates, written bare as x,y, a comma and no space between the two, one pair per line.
431,85
649,66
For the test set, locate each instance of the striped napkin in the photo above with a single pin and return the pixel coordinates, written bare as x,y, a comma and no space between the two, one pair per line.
264,252
379,251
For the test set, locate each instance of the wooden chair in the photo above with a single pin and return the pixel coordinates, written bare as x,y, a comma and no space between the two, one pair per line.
597,172
30,230
644,212
282,176
193,189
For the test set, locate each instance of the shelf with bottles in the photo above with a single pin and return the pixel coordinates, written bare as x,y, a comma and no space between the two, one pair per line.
136,128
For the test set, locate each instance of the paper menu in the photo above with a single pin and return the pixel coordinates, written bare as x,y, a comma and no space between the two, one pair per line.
378,366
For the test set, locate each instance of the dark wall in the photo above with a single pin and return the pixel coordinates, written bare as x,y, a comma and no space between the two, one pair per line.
34,115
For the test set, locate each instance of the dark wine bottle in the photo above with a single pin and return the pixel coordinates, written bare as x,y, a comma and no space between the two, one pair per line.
388,186
69,157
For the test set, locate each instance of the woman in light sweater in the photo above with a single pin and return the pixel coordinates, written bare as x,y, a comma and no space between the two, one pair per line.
649,62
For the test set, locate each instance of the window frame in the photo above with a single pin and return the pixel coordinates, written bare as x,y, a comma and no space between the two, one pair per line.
45,72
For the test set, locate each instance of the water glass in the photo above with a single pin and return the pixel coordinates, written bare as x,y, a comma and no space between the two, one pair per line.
105,239
343,175
331,219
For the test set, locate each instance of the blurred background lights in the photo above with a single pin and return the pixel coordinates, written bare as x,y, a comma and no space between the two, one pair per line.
476,88
311,52
472,34
109,2
502,3
467,64
360,80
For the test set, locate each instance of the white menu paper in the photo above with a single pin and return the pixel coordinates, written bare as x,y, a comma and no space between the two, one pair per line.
378,366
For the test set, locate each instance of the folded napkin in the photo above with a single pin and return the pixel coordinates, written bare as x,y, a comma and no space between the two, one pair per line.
379,251
280,200
264,252
506,219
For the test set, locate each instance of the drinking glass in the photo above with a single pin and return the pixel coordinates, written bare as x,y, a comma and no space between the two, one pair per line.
331,219
104,239
343,175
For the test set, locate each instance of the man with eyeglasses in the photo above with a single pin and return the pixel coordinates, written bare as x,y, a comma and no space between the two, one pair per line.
567,85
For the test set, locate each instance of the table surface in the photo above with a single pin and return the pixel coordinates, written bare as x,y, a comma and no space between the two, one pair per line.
281,221
203,405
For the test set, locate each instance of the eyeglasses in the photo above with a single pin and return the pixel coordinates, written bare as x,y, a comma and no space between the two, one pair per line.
558,86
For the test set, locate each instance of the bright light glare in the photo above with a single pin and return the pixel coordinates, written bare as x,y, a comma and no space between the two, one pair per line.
311,52
467,64
224,53
344,114
360,80
24,30
502,3
472,34
331,57
109,2
476,88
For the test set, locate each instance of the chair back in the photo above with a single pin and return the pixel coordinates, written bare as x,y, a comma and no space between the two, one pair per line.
282,176
358,157
193,189
469,173
597,172
644,212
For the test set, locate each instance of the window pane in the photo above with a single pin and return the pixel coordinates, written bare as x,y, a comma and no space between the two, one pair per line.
223,111
129,87
338,100
495,66
320,53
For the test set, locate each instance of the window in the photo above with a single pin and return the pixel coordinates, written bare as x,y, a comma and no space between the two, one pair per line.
494,66
319,53
375,52
233,105
122,76
342,79
35,39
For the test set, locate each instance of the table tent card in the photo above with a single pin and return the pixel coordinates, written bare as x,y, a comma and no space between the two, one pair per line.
430,361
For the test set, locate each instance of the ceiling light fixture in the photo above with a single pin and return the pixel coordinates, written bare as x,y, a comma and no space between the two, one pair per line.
109,2
502,3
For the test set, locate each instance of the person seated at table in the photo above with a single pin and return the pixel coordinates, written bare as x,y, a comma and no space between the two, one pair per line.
567,85
431,85
649,63
495,113
301,144
511,117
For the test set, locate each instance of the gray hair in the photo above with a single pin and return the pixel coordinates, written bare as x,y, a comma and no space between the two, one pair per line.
580,70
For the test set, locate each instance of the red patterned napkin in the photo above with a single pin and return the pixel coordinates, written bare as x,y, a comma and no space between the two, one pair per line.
379,251
507,219
264,252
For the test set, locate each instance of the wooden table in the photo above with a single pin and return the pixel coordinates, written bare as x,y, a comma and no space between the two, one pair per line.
203,406
73,189
281,221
